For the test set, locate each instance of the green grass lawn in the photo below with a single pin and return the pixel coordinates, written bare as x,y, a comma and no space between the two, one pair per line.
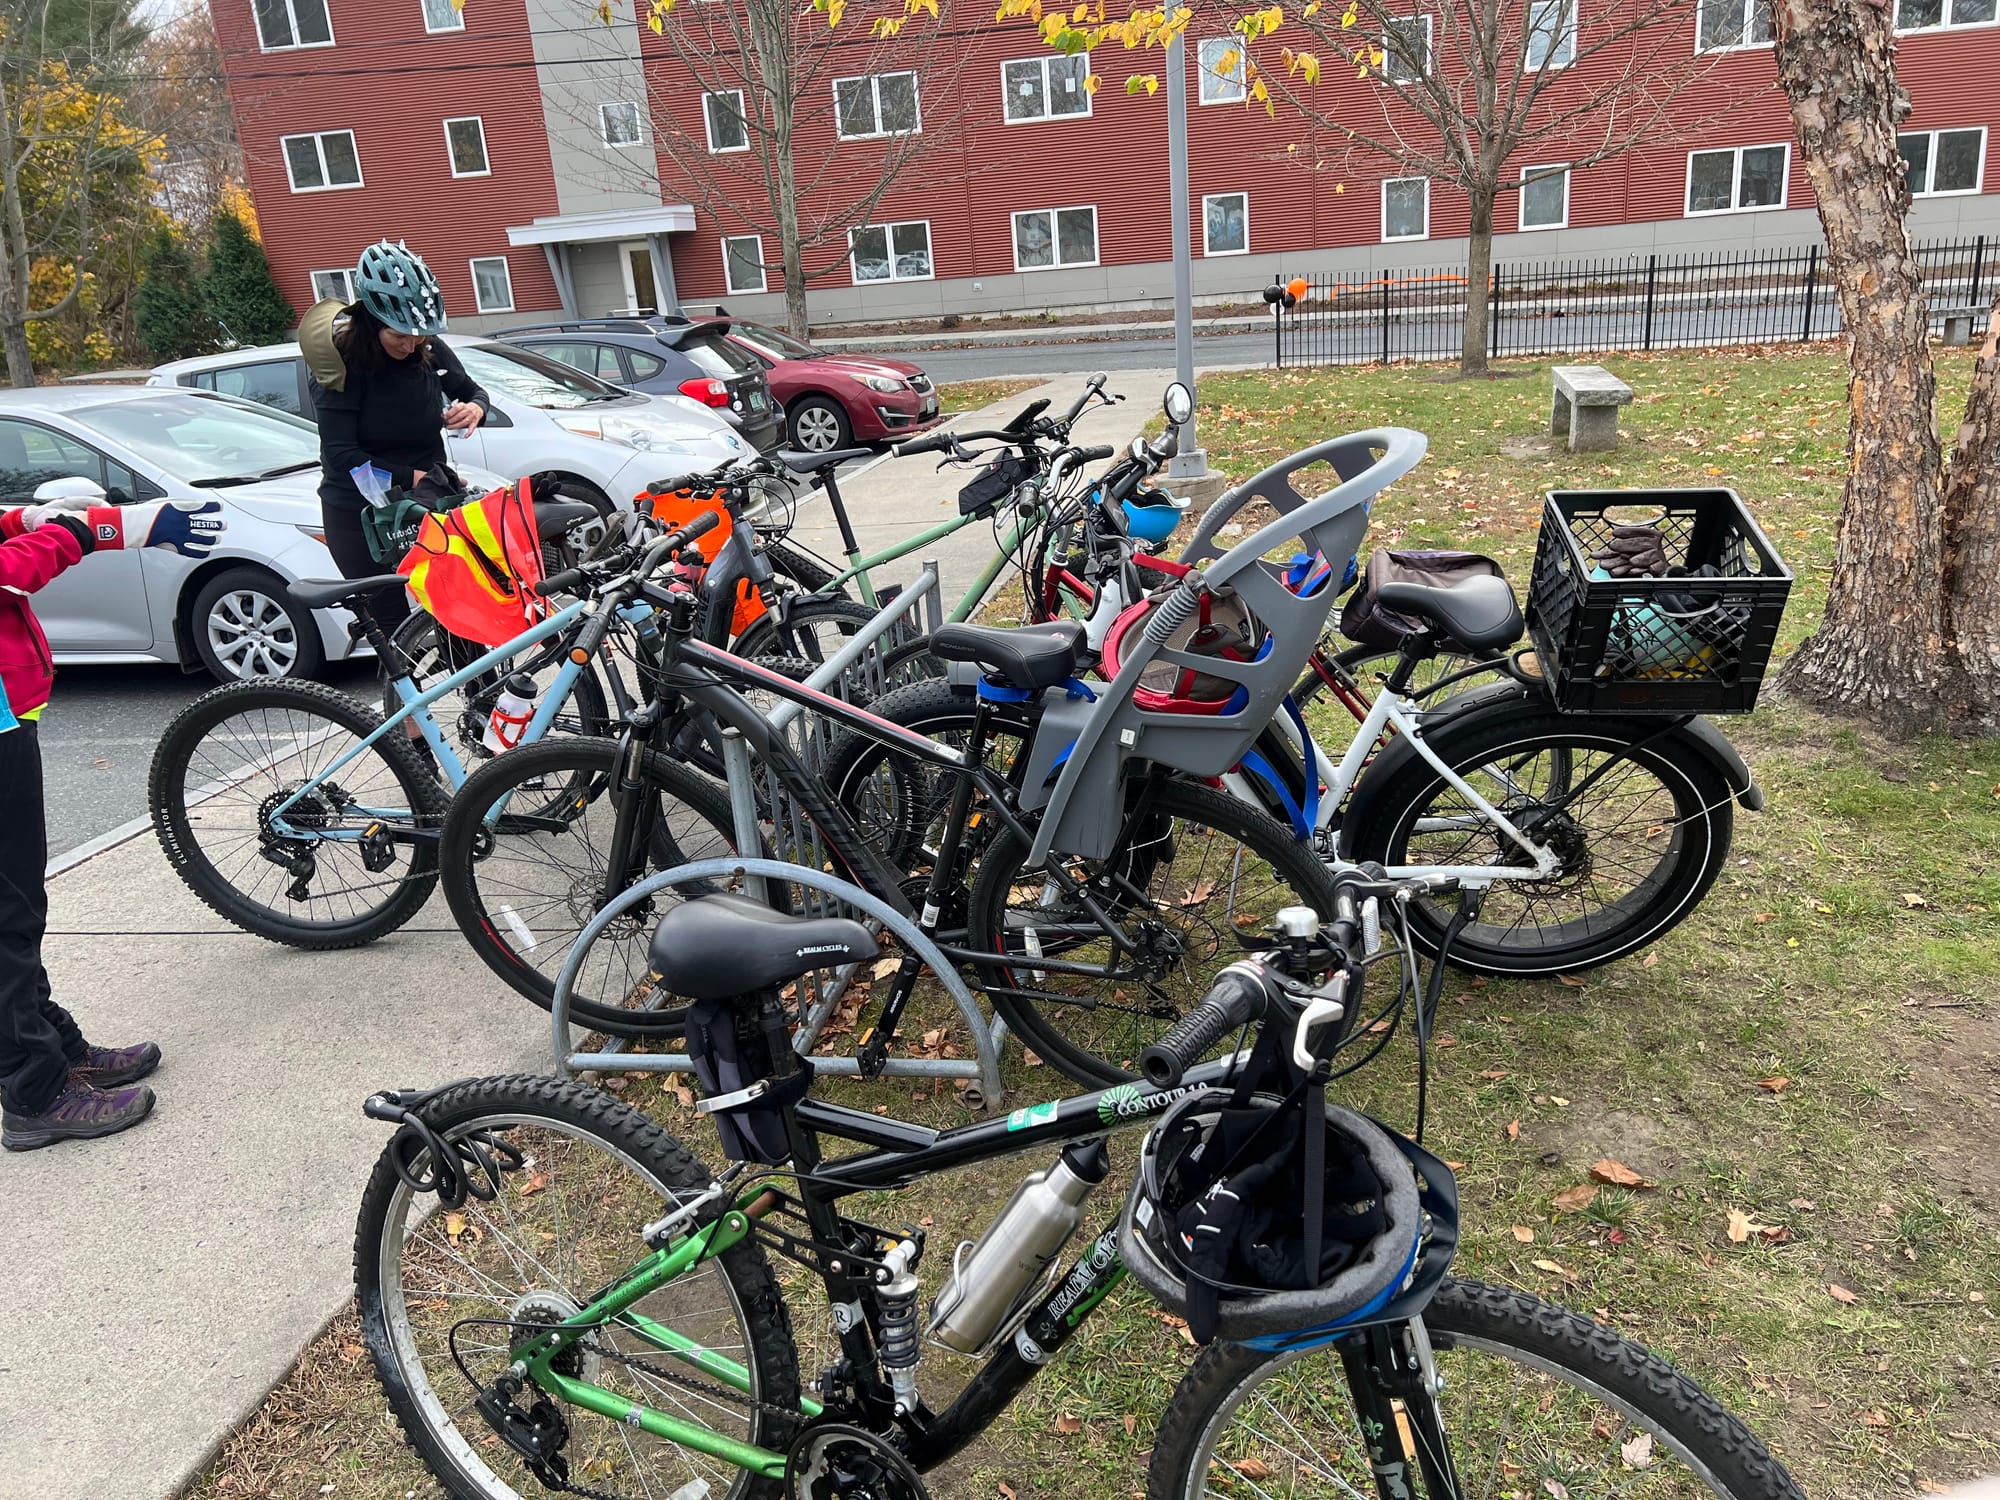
1817,1047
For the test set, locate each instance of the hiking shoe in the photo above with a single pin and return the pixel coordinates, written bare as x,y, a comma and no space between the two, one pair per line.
80,1113
114,1067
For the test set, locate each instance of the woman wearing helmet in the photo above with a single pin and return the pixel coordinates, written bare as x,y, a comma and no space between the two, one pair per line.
381,391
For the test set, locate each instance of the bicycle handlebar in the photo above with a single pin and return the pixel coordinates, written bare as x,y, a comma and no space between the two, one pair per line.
1237,998
1090,388
936,442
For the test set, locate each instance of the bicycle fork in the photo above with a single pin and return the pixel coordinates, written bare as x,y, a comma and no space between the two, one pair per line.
1393,1382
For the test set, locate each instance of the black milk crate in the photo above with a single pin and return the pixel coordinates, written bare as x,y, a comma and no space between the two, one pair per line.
1674,645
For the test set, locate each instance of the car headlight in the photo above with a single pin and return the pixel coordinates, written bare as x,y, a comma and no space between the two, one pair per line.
317,533
888,385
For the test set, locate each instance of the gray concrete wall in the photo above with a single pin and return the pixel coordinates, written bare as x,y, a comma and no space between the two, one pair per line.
582,66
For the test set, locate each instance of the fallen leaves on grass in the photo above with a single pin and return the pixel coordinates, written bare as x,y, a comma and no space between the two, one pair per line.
1068,1425
1911,898
1777,1083
1840,1293
1651,960
1199,893
1524,1234
1554,1268
1513,1130
1613,1173
1252,1469
1571,980
1576,1199
534,1183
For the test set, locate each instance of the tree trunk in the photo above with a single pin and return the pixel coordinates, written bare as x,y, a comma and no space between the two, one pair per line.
1478,286
1881,648
790,251
1972,541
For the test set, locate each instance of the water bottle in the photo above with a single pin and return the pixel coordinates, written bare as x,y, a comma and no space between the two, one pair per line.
988,1281
510,716
1110,604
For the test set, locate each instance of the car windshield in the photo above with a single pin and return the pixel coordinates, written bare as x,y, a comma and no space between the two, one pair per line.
770,341
198,438
530,377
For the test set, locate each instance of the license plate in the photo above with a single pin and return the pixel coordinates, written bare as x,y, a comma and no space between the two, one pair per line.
754,400
930,408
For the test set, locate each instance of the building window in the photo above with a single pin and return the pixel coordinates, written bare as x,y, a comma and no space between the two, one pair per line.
1045,238
879,104
1923,15
465,139
1551,33
728,130
1225,224
1545,197
316,163
1738,180
444,15
1406,208
620,123
1406,48
743,262
1044,88
292,23
1722,24
1944,161
1224,70
492,287
338,283
892,252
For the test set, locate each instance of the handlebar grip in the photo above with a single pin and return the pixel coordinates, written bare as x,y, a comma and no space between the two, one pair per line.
700,526
1236,998
1095,453
564,582
670,486
936,442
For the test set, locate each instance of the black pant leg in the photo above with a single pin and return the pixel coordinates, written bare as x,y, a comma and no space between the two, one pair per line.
349,546
37,1037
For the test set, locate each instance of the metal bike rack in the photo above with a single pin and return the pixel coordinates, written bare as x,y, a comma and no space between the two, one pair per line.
762,810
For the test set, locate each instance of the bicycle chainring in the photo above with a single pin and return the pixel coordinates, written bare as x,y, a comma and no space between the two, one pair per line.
833,1461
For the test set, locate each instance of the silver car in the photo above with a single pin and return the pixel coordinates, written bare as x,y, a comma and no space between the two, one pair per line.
229,611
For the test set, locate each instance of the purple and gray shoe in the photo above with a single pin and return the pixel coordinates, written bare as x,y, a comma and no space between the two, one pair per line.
80,1113
114,1067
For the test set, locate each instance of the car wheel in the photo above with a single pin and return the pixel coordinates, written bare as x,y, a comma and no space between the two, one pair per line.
818,425
245,625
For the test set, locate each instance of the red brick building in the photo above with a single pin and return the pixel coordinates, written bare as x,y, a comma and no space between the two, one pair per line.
515,143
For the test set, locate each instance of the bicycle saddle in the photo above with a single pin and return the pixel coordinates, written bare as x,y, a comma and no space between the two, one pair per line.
1478,613
723,945
554,517
1025,656
812,463
324,593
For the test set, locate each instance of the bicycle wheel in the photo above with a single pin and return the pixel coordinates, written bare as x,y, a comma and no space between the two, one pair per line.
523,885
477,1280
232,757
1641,831
1536,1401
1199,869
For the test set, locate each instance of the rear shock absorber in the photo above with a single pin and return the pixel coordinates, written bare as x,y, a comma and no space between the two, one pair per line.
896,1338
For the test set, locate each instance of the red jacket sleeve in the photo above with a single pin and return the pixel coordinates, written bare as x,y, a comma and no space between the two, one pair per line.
29,559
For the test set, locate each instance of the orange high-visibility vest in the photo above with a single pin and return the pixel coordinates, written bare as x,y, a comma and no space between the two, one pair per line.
475,568
677,508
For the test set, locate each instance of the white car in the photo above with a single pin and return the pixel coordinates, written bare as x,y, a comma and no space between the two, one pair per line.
229,611
567,431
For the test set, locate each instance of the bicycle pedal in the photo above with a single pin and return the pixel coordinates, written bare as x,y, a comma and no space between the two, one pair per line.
872,1054
378,848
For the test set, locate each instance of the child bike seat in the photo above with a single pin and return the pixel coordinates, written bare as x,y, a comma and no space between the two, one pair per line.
1027,657
724,945
1478,613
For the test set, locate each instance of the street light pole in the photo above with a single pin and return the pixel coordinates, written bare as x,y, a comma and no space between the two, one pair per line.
1190,462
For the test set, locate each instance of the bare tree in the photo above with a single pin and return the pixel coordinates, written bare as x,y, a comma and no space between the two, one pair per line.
796,127
1462,91
179,99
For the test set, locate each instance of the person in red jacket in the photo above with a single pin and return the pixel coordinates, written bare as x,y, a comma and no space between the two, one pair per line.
55,1086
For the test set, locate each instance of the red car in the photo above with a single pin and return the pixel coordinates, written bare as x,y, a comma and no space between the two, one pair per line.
837,400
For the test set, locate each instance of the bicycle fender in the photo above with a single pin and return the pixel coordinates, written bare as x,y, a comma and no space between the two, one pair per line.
1726,758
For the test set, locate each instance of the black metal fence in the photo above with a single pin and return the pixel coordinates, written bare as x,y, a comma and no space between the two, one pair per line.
1634,302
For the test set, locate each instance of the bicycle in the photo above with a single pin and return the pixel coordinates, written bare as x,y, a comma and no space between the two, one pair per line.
594,1312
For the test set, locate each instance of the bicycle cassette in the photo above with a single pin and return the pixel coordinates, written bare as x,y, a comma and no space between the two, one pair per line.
838,1462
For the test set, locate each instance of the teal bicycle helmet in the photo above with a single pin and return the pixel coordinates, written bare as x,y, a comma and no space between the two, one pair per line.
397,288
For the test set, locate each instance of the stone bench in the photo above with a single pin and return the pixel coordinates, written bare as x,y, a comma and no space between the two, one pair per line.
1586,407
1960,321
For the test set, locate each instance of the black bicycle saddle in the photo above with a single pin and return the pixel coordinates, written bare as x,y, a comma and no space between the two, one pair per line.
724,945
1025,656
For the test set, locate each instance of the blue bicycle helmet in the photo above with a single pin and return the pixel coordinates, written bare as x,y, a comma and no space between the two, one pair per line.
398,290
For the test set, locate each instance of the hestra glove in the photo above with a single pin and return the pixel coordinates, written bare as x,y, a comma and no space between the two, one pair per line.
189,527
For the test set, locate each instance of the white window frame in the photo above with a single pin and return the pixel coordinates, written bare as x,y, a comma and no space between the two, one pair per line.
506,271
1744,10
1055,238
318,137
1947,24
1521,207
1206,199
1979,177
1565,42
763,277
1736,181
1203,73
451,157
1388,56
1048,90
292,15
638,123
457,19
346,275
874,82
708,125
1398,239
889,228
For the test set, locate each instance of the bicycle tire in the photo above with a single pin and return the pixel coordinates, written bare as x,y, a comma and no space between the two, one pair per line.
521,926
1695,820
1684,1422
177,823
1107,1053
395,1230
